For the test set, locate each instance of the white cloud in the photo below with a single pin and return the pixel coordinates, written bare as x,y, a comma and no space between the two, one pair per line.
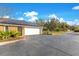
53,16
33,19
75,8
20,18
32,16
70,22
74,22
61,20
6,16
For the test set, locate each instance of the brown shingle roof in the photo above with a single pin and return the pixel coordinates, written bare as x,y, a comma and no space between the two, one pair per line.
16,22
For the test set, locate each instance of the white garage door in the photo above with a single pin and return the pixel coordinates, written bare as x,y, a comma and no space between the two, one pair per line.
32,31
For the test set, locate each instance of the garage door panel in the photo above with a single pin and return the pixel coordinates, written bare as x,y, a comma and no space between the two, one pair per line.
32,31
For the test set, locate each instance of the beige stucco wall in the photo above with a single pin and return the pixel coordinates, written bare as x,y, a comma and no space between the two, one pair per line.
1,28
12,28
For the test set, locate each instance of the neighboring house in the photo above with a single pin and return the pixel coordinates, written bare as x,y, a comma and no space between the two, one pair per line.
26,28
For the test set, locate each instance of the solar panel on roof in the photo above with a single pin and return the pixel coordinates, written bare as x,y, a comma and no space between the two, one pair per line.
17,22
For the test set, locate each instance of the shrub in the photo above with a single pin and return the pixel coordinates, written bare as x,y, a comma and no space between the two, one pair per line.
57,29
4,35
8,34
76,30
47,32
14,34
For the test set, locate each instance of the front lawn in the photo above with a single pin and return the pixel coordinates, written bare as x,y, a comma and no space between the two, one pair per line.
58,33
54,32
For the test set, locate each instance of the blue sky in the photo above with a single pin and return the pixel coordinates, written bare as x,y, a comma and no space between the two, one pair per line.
68,12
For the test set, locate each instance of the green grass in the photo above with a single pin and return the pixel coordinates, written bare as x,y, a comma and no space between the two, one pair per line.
58,33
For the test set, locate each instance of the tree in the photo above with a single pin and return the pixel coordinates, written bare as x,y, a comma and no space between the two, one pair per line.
54,24
65,26
40,22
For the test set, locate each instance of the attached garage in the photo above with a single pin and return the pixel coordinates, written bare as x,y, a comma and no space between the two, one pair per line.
32,31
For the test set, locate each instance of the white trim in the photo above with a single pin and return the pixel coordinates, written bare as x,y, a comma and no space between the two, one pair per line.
4,28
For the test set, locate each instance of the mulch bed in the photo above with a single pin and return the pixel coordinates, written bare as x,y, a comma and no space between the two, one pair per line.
11,39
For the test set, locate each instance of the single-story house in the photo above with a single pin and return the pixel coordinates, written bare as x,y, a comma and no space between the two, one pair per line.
26,28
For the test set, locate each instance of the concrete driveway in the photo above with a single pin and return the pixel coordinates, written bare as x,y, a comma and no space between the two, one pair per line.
44,45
